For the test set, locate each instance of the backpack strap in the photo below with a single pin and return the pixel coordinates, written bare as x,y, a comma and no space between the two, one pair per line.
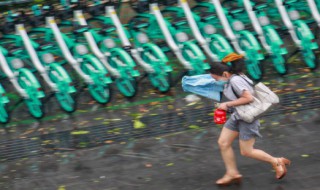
234,92
251,84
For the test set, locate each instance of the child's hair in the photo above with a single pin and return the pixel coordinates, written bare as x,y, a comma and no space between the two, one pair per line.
232,63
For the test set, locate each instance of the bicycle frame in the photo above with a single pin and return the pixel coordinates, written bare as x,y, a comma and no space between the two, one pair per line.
54,74
4,115
196,64
313,6
268,36
126,67
111,13
300,33
241,40
147,54
24,82
88,66
196,31
91,38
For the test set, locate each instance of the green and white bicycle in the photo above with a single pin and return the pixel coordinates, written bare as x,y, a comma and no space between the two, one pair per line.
161,29
4,100
77,55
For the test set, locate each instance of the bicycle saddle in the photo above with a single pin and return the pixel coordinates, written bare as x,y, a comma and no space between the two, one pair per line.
167,2
43,44
96,10
140,24
288,2
179,21
13,49
81,29
207,15
236,10
64,14
106,28
259,6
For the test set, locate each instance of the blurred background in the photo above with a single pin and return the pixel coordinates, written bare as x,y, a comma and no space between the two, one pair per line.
161,139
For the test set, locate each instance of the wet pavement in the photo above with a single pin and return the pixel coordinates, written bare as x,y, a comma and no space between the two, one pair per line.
159,141
187,160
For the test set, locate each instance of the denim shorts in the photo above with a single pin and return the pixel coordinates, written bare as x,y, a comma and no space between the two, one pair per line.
246,130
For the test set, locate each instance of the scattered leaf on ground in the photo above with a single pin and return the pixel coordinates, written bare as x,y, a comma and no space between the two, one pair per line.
170,164
148,165
137,124
194,127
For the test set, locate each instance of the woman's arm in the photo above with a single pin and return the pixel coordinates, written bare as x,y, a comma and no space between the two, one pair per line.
245,98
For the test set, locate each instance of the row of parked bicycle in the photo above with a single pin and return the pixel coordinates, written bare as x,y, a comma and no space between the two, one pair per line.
102,50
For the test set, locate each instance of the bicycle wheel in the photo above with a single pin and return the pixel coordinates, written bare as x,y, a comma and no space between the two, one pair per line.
310,58
101,93
35,107
253,65
61,78
34,102
280,63
161,81
127,87
4,115
66,101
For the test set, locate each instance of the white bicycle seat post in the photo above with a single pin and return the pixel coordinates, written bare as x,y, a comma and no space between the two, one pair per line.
79,17
256,24
110,12
226,26
154,9
287,21
65,50
20,30
314,11
195,30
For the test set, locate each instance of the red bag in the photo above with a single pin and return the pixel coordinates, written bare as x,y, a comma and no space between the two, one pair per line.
220,116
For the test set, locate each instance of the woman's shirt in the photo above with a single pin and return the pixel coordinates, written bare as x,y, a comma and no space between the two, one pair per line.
239,84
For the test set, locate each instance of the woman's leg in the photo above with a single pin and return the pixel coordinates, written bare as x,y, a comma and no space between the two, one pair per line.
246,148
226,138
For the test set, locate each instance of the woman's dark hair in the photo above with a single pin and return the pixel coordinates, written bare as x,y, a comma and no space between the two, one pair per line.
218,69
235,67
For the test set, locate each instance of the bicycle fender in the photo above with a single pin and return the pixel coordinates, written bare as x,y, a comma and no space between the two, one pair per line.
276,42
4,51
125,56
222,42
95,63
305,34
196,49
272,34
63,73
251,39
304,30
157,51
4,98
34,82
